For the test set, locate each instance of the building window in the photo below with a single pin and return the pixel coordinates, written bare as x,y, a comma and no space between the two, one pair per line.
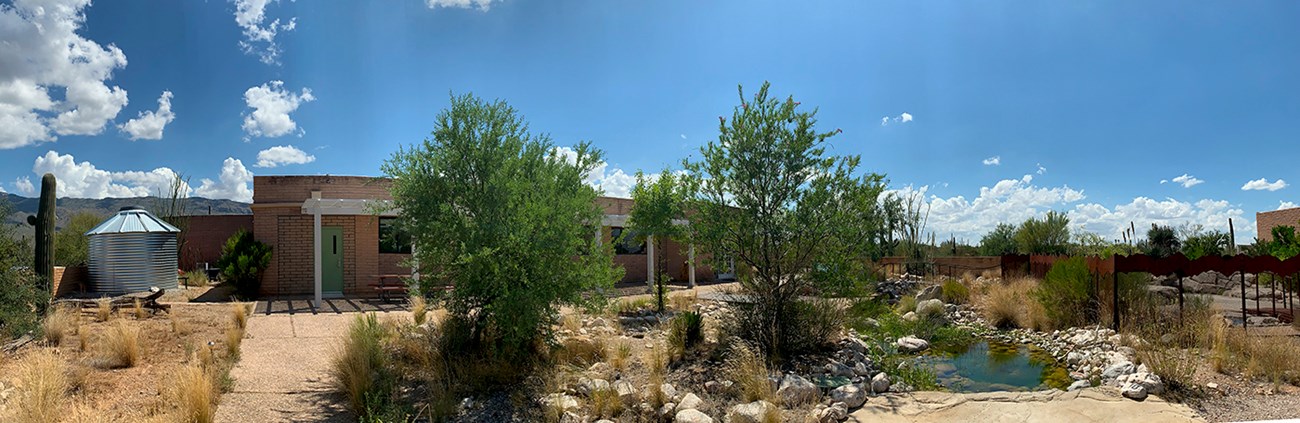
393,240
625,241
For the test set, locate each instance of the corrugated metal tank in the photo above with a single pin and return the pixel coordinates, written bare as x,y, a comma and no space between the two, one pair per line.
131,252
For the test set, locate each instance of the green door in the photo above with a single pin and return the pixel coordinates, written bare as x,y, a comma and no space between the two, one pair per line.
331,260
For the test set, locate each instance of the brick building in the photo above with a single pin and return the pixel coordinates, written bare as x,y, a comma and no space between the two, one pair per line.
1265,221
291,212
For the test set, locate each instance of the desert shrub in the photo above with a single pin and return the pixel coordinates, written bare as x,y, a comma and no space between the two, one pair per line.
1068,294
685,331
120,347
999,241
495,182
1011,303
60,323
71,246
192,390
748,370
1212,243
419,309
1162,241
22,300
197,278
955,292
1051,235
43,385
359,369
242,261
807,326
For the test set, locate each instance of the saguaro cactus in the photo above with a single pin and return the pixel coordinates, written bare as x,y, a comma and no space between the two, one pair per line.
44,223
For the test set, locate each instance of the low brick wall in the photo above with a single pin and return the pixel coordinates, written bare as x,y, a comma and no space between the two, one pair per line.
69,279
206,234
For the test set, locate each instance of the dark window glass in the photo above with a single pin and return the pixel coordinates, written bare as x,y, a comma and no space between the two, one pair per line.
625,241
391,239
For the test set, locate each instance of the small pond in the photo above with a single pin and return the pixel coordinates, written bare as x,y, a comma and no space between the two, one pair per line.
987,366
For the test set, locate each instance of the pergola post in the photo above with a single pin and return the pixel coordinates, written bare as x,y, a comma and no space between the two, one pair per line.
650,262
691,264
316,243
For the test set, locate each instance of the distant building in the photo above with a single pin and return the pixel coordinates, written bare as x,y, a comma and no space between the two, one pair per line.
1265,221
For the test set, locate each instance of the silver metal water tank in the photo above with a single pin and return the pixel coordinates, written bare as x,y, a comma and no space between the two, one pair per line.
131,252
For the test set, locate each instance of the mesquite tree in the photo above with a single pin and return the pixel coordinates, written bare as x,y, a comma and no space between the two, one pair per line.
504,220
797,220
656,204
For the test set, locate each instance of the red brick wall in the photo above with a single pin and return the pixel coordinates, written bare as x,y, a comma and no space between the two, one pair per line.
296,189
69,279
205,235
1265,221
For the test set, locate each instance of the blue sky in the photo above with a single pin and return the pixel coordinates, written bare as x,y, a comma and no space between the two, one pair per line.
1167,112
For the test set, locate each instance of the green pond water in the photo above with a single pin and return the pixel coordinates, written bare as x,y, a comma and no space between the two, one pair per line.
988,366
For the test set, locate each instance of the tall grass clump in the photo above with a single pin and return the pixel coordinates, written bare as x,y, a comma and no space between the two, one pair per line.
194,392
358,367
748,369
197,278
657,361
120,346
60,323
1067,294
1255,356
234,337
685,331
42,387
103,309
419,309
239,315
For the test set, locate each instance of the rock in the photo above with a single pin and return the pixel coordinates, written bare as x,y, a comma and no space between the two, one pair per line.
1073,358
601,368
1118,369
571,417
880,383
668,390
795,390
1084,338
856,345
561,402
1262,320
910,316
1149,381
666,410
835,413
587,385
754,412
626,392
1212,386
911,344
861,369
1168,293
851,395
691,415
1077,385
689,401
836,368
932,292
929,309
604,421
1134,391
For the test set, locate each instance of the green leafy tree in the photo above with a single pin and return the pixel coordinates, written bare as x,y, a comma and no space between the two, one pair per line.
796,220
1051,235
656,203
1162,241
999,241
70,242
22,299
1285,244
504,219
243,259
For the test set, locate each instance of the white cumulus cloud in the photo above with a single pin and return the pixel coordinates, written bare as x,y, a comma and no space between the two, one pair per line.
1187,181
993,161
1262,184
482,5
614,182
901,118
1283,205
24,185
85,180
149,124
1014,200
1041,169
271,105
281,155
232,184
41,56
259,35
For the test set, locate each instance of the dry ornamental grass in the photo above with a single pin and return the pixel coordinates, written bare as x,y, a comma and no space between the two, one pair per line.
42,387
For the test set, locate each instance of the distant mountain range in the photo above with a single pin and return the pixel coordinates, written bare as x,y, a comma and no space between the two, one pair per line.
64,208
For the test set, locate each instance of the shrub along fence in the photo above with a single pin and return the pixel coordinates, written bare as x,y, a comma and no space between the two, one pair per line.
1283,274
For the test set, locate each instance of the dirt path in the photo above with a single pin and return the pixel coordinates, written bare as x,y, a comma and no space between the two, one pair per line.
1089,405
282,374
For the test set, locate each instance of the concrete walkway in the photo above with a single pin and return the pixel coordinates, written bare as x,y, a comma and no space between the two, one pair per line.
283,371
1088,405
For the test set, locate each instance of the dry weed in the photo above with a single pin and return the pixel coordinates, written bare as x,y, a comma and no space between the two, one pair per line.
103,309
419,309
194,393
234,337
120,347
748,369
42,387
239,315
137,309
60,323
